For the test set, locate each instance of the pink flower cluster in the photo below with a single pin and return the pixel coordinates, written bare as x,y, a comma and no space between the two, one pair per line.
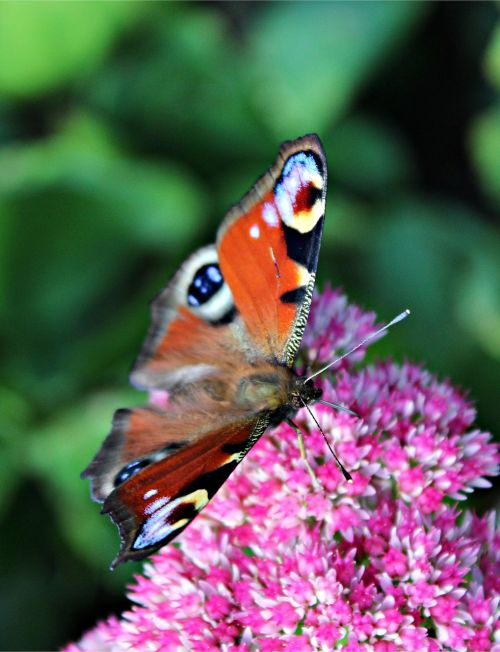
388,562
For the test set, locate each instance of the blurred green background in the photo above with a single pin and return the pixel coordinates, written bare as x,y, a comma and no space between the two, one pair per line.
126,132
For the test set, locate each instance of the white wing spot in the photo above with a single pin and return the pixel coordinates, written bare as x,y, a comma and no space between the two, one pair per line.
270,215
150,493
254,231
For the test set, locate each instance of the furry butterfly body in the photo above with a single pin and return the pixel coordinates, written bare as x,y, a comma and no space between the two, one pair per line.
223,341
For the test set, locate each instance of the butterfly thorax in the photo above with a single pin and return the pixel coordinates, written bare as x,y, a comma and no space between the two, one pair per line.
278,390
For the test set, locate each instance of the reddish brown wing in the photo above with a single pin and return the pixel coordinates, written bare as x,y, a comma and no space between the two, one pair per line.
158,494
268,249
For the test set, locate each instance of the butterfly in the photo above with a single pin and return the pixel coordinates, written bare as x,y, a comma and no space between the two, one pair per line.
223,341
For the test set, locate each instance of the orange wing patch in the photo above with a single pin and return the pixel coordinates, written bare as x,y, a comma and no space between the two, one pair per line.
254,262
188,341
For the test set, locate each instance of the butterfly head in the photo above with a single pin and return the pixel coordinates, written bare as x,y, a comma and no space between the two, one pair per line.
303,393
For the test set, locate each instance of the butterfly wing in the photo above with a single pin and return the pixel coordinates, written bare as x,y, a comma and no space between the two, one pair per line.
154,496
268,248
189,330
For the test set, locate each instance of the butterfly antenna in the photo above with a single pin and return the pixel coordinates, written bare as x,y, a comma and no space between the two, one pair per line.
345,472
400,317
339,407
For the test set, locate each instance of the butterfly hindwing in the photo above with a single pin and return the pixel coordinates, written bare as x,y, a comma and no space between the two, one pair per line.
138,437
188,318
157,495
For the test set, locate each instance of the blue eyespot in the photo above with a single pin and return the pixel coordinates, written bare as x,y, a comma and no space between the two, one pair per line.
130,470
206,282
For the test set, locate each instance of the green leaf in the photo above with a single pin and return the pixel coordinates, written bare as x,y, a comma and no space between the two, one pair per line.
478,301
492,58
156,203
182,85
417,255
14,418
485,150
46,44
79,218
348,219
367,156
344,639
5,242
309,59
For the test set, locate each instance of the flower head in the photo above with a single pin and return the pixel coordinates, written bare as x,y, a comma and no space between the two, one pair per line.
388,562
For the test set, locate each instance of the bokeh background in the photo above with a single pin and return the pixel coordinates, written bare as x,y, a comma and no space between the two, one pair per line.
126,132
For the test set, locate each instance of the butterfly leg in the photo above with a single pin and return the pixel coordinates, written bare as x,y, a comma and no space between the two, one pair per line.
303,454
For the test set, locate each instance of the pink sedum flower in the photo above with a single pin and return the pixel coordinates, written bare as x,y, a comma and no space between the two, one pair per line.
388,562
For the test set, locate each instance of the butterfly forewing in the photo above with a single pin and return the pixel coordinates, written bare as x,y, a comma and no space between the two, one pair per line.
268,248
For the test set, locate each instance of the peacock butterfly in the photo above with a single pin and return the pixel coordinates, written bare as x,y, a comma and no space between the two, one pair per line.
223,342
